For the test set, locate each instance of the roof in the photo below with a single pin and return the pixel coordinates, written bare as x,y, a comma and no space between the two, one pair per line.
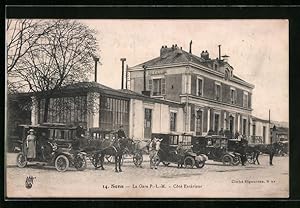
179,56
254,118
174,57
102,89
87,85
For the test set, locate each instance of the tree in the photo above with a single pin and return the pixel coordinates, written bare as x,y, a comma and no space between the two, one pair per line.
61,56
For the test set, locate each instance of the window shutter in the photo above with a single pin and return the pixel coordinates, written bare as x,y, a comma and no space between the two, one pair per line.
163,86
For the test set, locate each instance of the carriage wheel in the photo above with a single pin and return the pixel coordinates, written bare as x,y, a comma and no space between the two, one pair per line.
61,163
138,159
95,159
227,160
166,163
80,162
21,160
236,160
189,162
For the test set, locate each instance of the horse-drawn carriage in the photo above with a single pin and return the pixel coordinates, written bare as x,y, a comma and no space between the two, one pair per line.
106,144
177,149
53,146
216,148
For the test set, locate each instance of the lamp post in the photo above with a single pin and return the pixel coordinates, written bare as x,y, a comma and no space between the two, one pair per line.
96,59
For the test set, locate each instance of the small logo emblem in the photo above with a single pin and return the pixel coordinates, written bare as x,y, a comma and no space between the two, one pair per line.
29,181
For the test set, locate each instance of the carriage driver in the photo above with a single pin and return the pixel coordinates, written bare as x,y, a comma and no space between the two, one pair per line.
121,132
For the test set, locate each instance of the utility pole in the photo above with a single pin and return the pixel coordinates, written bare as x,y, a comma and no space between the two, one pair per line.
122,79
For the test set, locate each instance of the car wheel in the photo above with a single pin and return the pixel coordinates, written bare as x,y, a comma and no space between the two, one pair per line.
200,164
189,162
21,160
61,163
236,160
80,163
227,160
137,159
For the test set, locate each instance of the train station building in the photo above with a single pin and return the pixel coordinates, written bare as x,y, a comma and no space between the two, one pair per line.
214,98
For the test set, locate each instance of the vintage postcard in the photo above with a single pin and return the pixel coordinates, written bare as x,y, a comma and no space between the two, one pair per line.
147,108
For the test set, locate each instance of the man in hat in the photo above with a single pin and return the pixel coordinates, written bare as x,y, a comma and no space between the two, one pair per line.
180,154
154,147
31,145
121,132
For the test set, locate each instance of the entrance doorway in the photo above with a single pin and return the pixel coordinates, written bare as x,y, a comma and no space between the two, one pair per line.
231,122
148,123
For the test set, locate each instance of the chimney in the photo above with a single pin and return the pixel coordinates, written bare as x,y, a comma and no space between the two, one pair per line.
164,51
191,46
205,55
122,78
225,58
145,92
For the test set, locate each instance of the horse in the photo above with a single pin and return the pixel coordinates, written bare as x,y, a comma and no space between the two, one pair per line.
117,149
270,149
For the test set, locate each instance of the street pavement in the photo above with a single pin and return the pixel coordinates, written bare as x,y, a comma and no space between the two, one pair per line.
213,180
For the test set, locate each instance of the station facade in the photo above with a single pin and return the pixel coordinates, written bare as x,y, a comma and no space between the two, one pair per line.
214,98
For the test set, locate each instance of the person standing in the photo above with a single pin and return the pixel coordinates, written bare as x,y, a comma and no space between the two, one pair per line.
154,147
31,145
180,154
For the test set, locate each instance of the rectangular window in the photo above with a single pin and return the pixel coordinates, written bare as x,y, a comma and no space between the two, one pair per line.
158,87
245,100
218,91
199,87
253,129
173,121
233,96
114,113
173,139
199,122
68,110
186,140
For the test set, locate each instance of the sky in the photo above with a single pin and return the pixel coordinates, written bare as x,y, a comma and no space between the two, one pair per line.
258,50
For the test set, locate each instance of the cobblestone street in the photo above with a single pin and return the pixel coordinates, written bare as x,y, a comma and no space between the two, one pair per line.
213,180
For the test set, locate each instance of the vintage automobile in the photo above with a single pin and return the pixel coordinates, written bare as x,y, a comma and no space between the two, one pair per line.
169,152
53,147
216,148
